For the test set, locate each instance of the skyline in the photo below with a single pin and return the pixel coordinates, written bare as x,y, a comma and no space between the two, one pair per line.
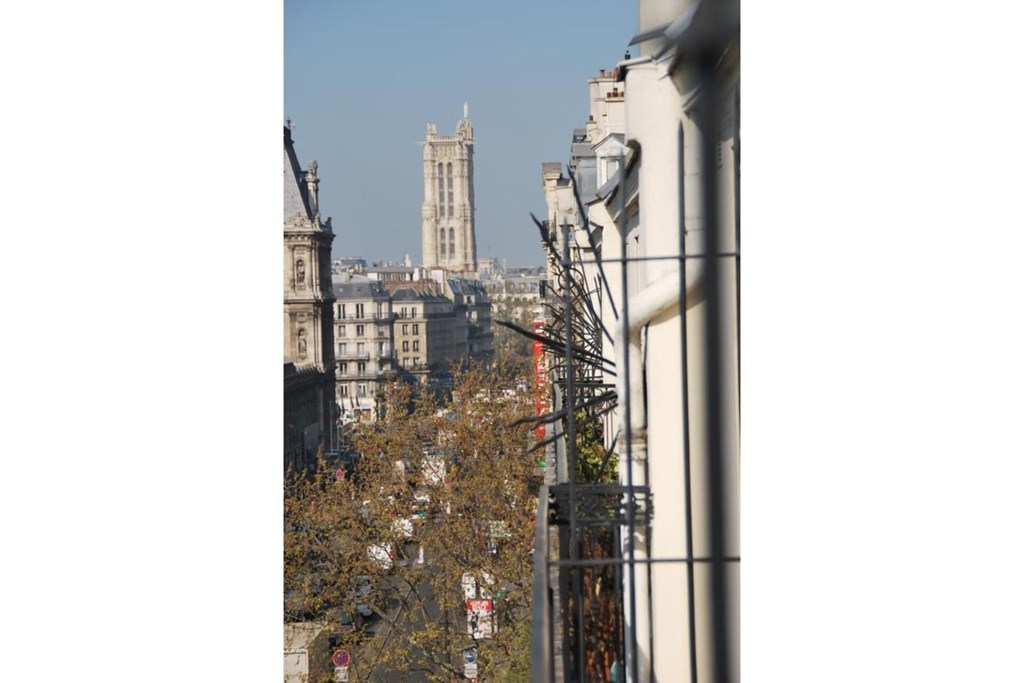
355,92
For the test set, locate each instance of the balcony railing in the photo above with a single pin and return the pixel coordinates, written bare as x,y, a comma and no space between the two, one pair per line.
364,375
364,355
578,629
375,317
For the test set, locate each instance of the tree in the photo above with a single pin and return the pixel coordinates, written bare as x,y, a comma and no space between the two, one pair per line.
439,507
509,343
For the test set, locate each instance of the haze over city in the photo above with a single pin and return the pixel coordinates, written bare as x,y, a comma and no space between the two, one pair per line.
363,79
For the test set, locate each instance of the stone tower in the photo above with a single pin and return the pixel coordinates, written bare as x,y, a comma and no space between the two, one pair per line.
308,295
449,236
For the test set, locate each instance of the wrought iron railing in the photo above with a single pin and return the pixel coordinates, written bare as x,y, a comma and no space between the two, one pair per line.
593,585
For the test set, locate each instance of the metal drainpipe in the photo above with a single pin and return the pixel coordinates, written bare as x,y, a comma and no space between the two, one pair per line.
644,307
714,372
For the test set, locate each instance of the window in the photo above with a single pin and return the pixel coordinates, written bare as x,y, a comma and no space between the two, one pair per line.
451,241
342,307
443,249
360,348
362,389
380,349
405,346
451,191
341,330
611,167
343,367
344,390
404,311
361,368
415,328
359,330
440,187
359,310
405,329
382,331
416,345
416,362
342,349
414,311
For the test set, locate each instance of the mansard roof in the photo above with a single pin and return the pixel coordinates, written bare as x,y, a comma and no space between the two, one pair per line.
421,290
358,287
296,203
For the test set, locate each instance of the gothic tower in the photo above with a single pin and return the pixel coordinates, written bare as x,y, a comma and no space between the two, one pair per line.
449,236
308,295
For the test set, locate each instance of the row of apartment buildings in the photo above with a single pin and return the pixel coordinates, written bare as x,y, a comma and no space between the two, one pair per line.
399,327
642,236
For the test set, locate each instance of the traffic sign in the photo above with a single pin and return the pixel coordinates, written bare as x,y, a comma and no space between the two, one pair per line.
478,605
341,658
470,655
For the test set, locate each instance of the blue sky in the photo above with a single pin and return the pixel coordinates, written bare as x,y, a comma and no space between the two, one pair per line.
364,77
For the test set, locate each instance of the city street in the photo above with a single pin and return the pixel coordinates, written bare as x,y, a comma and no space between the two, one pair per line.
398,617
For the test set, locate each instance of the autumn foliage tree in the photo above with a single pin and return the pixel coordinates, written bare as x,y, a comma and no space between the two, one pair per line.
440,501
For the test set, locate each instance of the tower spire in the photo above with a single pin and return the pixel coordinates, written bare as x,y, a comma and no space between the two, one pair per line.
465,110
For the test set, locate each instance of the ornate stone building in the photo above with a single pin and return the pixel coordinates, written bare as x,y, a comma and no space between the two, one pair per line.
308,315
449,237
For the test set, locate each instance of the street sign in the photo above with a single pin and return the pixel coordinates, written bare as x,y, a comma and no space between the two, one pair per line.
470,670
470,655
480,618
341,658
341,674
479,606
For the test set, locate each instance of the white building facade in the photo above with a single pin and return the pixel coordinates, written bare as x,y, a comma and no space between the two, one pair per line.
667,202
365,338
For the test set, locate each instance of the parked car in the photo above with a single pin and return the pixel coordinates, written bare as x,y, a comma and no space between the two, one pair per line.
383,554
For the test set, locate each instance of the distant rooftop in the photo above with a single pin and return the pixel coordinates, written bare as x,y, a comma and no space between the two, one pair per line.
358,287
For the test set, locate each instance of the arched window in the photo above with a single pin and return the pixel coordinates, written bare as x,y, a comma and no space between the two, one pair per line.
442,244
451,241
440,188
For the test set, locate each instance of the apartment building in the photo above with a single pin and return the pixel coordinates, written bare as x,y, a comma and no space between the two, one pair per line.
364,334
425,329
662,221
